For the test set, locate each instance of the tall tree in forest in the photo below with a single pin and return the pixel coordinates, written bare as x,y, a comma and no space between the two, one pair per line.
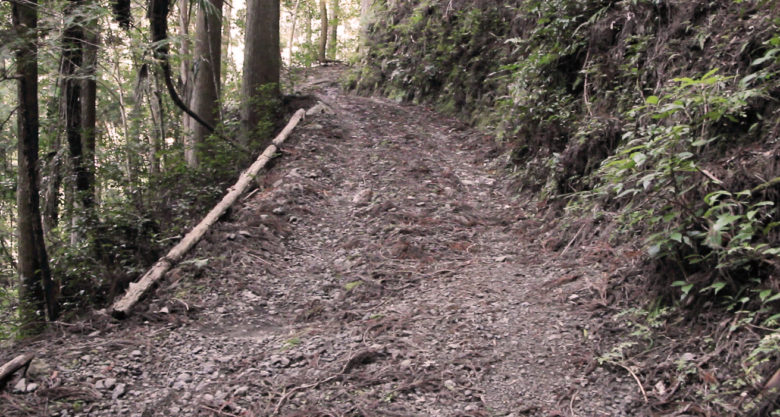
206,73
294,20
185,57
333,27
227,40
37,291
80,137
365,19
262,61
89,103
323,31
307,27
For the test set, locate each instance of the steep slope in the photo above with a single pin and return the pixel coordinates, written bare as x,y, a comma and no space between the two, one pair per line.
651,124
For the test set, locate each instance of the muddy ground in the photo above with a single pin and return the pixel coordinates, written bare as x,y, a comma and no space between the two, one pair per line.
386,268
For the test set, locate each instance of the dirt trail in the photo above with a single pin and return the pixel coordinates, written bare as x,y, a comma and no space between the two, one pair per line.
382,271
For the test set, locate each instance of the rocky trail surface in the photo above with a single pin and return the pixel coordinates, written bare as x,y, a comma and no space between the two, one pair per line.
383,270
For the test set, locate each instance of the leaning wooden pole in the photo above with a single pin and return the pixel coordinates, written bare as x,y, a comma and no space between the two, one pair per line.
121,308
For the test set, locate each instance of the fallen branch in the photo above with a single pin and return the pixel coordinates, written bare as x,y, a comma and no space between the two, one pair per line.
13,365
636,378
122,307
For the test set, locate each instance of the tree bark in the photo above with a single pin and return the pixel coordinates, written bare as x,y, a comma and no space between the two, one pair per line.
365,20
205,94
227,40
36,292
89,106
185,68
323,31
74,45
333,25
292,32
307,25
122,307
262,62
151,89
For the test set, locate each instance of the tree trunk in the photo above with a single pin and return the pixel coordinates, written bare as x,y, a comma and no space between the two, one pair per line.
186,64
227,39
307,26
365,20
89,107
292,32
37,292
151,90
205,94
73,73
262,61
51,188
334,29
323,31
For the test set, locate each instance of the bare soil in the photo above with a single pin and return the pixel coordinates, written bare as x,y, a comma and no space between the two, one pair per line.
385,268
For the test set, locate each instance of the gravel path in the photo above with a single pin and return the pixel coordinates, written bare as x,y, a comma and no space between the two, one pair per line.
382,270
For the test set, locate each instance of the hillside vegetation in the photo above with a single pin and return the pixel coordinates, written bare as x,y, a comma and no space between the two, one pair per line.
654,121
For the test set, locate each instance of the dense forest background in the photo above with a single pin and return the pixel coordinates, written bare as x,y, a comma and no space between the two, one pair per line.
123,168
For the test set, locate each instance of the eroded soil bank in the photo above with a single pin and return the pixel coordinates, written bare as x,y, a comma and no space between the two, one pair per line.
382,270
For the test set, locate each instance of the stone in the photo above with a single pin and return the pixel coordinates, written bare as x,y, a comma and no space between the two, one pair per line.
38,369
184,377
279,361
108,383
119,391
279,211
241,391
31,387
20,385
136,353
362,197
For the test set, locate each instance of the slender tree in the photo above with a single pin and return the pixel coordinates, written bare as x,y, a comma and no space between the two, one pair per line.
89,105
185,57
294,19
37,291
365,19
323,31
333,27
78,75
307,24
227,40
262,61
207,67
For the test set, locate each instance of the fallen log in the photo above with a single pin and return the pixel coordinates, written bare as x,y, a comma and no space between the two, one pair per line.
121,308
13,365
